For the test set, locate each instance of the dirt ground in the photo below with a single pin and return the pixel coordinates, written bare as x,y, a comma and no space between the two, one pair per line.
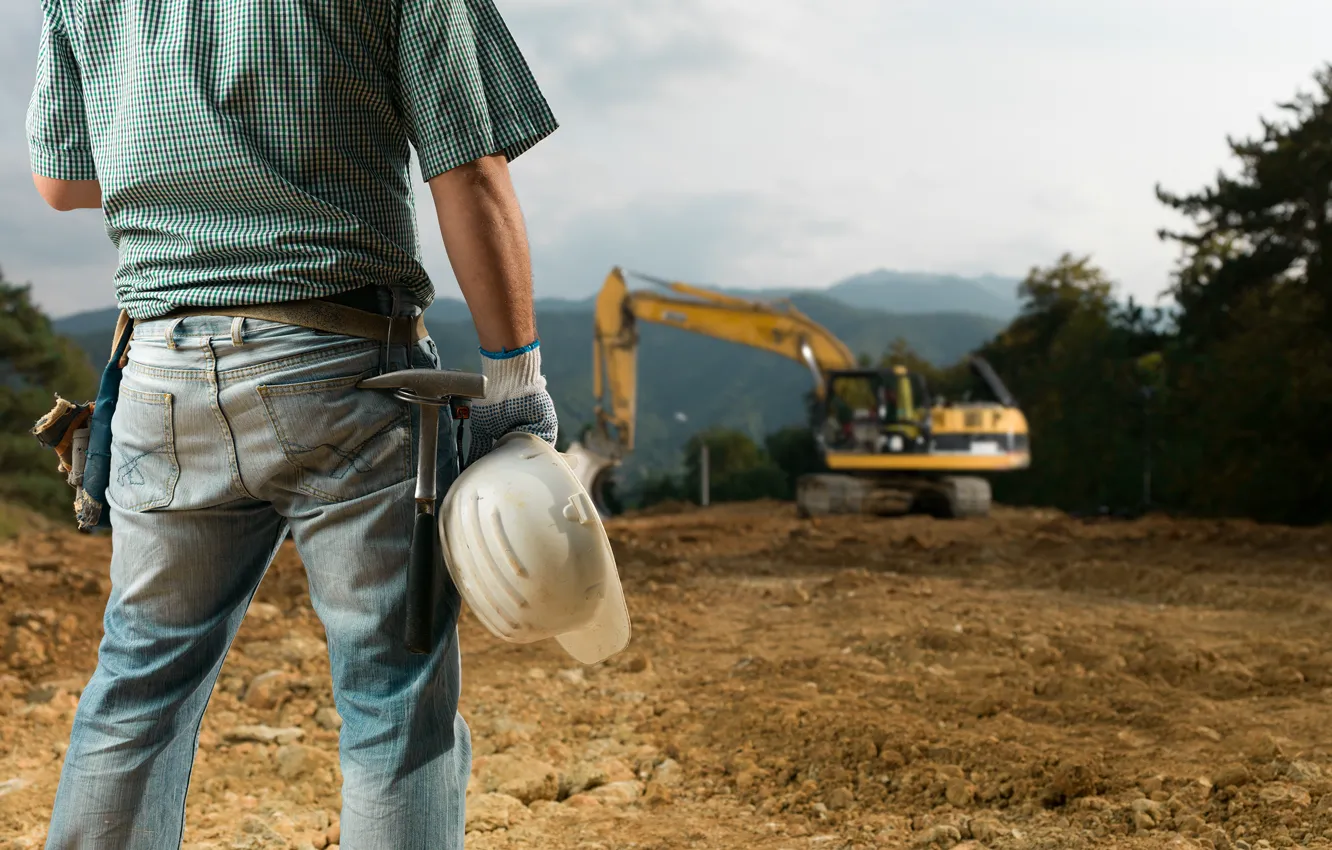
1025,681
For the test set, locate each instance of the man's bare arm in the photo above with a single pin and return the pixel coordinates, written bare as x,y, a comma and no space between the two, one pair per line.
486,241
66,195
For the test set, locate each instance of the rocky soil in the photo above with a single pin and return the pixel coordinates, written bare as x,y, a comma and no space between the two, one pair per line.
1025,681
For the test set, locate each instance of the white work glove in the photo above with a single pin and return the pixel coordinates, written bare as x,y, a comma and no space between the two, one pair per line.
516,400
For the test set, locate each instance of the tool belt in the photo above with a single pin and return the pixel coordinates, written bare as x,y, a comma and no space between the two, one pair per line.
80,434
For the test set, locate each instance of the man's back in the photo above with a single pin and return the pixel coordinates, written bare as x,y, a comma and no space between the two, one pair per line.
248,152
254,151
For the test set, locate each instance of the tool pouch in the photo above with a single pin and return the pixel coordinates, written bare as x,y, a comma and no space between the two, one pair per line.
64,430
80,435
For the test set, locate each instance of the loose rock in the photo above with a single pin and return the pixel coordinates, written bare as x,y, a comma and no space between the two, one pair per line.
489,811
9,786
618,792
1231,776
328,718
267,689
291,760
522,778
263,734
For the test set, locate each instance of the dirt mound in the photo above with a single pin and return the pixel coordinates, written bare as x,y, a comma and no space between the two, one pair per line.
1026,680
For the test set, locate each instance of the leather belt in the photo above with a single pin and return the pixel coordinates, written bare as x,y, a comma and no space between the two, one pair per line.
323,315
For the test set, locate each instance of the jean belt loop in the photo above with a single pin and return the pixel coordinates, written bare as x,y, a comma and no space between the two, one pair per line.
171,332
238,331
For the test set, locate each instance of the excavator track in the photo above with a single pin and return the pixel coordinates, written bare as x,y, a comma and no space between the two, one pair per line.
950,497
965,497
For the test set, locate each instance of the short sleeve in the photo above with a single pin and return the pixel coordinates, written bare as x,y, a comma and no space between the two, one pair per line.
464,89
58,142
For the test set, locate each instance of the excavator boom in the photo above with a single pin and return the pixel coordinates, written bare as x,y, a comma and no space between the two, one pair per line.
777,328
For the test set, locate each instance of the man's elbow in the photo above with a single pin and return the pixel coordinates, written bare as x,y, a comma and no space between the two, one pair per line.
67,195
484,174
59,202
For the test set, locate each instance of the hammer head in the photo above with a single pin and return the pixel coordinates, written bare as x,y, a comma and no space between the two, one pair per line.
430,383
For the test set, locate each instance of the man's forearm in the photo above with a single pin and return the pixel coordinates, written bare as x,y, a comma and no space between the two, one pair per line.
486,241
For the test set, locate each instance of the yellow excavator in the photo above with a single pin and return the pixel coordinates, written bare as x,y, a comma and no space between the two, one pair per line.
888,447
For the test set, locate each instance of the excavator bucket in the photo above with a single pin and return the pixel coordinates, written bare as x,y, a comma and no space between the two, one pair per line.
592,465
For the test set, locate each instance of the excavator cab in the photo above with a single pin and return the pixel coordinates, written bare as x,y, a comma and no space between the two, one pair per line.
875,411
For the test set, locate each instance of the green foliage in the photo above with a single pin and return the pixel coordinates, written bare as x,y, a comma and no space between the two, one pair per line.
658,487
1071,359
1263,232
10,524
739,469
35,363
732,458
901,353
764,481
1225,400
794,451
1248,376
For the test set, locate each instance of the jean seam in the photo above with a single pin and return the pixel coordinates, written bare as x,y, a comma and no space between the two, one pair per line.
137,368
229,439
294,360
227,375
303,387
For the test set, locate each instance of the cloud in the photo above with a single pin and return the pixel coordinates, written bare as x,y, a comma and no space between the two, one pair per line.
701,239
796,143
596,55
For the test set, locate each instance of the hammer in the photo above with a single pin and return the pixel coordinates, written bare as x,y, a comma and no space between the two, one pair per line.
431,389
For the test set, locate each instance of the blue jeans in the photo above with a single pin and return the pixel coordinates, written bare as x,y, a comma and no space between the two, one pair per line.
227,436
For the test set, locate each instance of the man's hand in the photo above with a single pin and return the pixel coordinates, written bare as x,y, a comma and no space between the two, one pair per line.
486,242
516,400
66,195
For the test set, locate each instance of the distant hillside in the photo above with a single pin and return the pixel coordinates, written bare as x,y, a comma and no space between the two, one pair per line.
901,293
710,381
913,292
910,293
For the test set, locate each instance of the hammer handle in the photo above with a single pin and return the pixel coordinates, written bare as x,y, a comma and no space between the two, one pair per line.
421,583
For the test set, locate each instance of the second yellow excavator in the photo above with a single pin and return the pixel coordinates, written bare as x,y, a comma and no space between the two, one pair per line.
889,449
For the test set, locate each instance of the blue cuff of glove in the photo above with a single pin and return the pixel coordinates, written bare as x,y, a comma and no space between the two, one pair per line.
508,353
512,374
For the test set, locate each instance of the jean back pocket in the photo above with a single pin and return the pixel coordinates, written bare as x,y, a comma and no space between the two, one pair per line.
144,469
342,441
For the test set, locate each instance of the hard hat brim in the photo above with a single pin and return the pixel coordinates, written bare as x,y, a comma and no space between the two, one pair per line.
609,631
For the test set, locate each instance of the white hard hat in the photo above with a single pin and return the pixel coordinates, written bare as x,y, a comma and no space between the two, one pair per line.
528,553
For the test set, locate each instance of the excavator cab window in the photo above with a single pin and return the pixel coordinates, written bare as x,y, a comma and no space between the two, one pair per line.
873,411
920,391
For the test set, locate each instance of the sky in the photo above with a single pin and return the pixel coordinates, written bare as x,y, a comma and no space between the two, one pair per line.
798,142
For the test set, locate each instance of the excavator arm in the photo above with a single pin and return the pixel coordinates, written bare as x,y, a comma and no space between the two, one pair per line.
778,328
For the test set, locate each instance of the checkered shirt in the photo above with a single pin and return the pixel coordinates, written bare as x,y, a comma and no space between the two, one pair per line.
259,152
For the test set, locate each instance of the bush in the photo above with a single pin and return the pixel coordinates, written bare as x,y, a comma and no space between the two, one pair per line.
35,364
739,469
